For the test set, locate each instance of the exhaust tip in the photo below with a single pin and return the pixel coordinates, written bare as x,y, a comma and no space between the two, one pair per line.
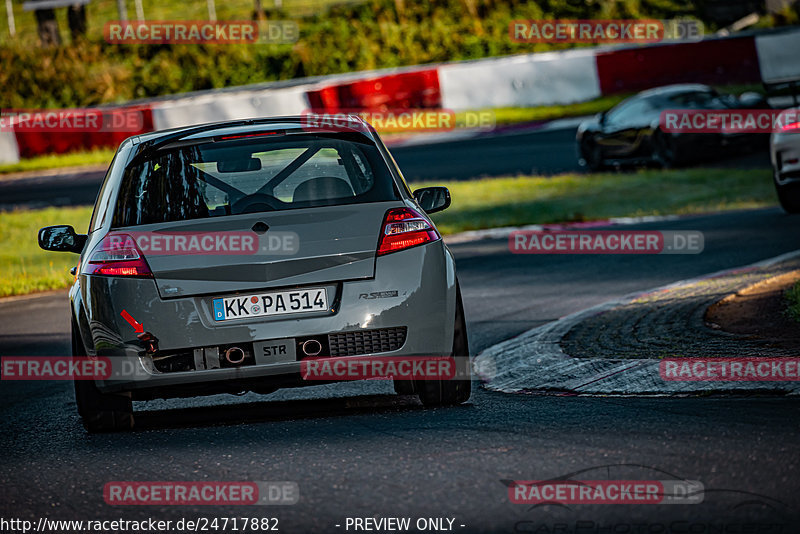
311,347
234,355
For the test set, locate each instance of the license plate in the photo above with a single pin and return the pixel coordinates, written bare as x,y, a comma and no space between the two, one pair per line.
275,351
273,303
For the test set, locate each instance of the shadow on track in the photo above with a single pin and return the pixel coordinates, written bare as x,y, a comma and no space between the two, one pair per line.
260,412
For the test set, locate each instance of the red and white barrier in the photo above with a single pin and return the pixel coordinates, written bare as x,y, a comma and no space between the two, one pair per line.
402,90
520,81
54,138
778,56
222,106
515,81
714,61
9,150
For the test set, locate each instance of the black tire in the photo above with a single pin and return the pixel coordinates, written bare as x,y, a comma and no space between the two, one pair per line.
665,150
593,155
100,412
456,391
788,195
403,387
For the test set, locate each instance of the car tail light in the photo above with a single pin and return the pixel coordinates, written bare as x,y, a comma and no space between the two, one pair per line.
117,255
791,127
404,228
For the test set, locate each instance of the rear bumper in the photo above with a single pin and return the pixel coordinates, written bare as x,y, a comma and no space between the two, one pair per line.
414,288
785,155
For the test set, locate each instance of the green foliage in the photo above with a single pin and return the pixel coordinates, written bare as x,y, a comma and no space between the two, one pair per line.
24,267
792,297
345,37
91,73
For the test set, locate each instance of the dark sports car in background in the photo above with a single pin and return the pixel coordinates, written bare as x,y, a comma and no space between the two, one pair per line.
629,133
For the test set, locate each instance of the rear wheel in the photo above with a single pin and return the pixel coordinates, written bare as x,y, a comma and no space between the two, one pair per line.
665,150
788,195
457,390
592,155
403,387
100,412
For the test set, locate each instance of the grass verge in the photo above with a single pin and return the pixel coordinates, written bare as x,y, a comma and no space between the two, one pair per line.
24,268
101,156
792,297
578,197
508,116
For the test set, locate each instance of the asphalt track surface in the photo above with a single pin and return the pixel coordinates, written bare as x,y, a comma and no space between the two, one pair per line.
516,151
357,450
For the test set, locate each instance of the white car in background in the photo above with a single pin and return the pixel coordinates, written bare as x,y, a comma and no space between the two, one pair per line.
784,148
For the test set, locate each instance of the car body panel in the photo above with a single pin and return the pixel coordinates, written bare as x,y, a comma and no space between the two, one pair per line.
425,301
785,157
333,243
413,288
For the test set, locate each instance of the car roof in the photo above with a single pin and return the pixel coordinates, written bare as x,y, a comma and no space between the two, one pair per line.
323,122
666,90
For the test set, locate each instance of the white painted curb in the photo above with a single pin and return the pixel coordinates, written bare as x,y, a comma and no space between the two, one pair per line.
534,360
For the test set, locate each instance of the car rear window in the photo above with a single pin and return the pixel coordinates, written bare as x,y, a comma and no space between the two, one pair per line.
699,100
230,177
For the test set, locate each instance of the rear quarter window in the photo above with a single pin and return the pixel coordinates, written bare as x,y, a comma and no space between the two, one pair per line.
215,179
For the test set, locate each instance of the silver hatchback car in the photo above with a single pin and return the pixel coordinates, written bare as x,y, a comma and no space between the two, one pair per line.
220,257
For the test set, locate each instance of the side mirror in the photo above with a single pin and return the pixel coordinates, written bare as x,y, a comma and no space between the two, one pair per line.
61,238
751,99
234,165
432,199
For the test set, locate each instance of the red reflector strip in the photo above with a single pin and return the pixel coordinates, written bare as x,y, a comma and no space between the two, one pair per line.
390,245
122,268
245,136
118,271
